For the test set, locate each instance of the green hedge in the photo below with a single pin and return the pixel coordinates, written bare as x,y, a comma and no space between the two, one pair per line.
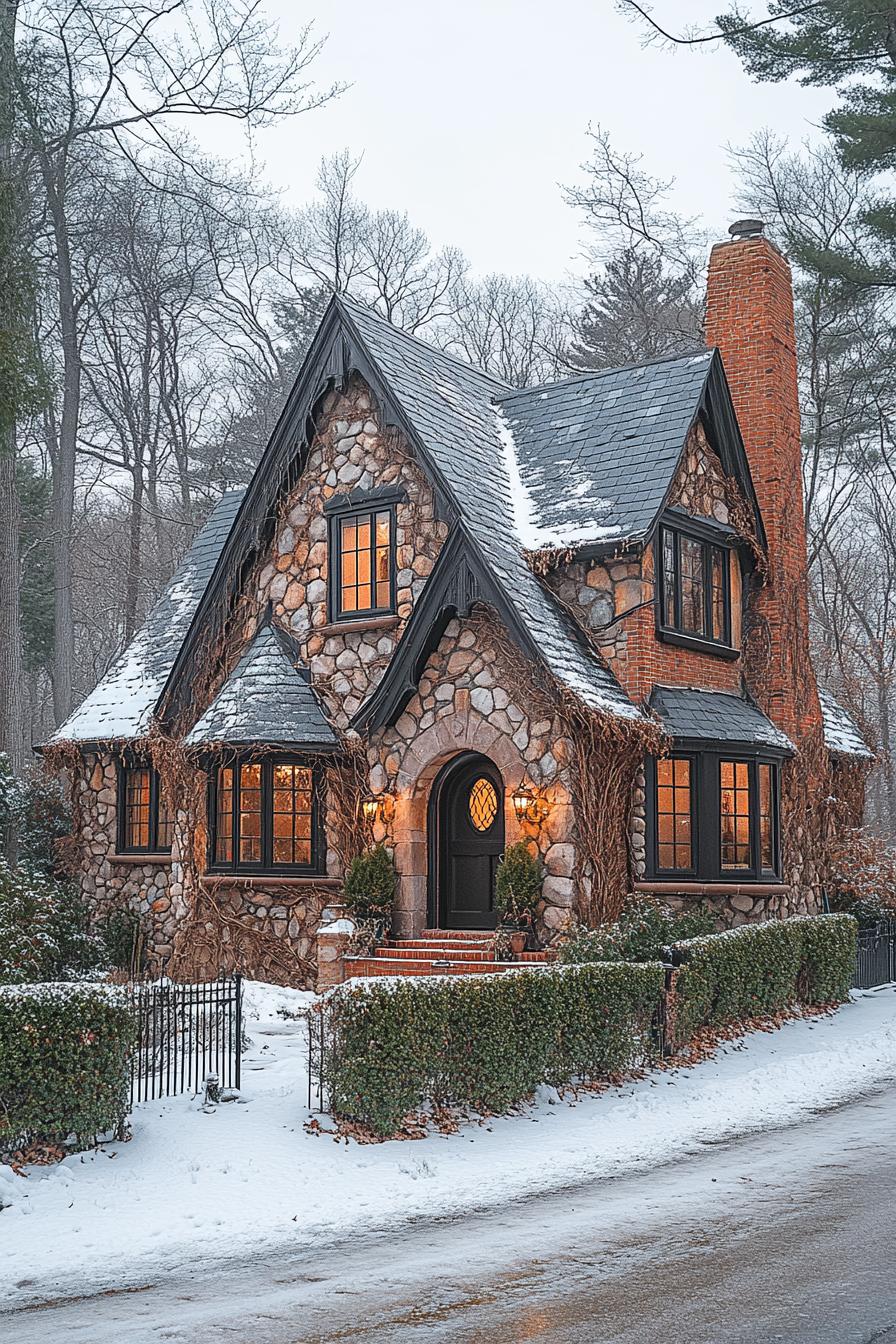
64,1062
760,969
483,1041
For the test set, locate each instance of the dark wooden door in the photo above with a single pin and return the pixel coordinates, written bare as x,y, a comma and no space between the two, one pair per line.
471,826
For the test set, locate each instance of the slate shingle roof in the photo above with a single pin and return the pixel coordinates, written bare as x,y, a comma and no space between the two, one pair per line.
841,735
265,699
122,704
597,453
452,408
715,716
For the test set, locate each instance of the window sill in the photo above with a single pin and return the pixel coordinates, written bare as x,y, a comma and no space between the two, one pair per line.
250,880
357,627
697,644
150,857
688,887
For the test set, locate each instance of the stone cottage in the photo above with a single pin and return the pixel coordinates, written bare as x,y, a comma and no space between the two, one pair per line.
449,614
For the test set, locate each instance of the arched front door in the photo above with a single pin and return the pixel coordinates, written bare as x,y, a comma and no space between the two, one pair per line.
466,822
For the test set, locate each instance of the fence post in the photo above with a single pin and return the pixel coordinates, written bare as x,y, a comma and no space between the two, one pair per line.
238,981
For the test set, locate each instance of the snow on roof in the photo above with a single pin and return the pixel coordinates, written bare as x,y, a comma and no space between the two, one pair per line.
841,735
265,699
579,502
123,702
715,716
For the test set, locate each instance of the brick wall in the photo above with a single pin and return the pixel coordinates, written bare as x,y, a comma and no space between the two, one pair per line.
749,316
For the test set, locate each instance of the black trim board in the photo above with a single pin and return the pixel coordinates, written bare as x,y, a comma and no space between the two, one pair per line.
458,580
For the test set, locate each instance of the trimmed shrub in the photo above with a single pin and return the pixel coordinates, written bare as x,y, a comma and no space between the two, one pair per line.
369,887
484,1042
64,1062
518,883
760,969
643,932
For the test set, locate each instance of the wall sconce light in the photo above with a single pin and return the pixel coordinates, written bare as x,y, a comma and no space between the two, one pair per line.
378,807
526,806
370,806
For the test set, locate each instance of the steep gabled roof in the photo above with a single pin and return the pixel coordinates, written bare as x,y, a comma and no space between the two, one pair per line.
841,736
122,704
452,412
717,717
265,699
596,454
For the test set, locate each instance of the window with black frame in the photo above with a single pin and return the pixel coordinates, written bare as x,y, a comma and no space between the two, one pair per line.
362,563
714,816
264,816
145,821
694,587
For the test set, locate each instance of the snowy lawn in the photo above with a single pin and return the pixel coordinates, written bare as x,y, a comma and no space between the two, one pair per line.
193,1187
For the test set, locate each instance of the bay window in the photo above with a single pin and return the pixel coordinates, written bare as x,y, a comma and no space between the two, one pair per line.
264,816
713,816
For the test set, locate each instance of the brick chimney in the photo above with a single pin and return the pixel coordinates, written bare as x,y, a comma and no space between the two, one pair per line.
749,317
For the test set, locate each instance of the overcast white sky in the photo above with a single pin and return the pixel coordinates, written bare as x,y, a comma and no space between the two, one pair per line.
469,115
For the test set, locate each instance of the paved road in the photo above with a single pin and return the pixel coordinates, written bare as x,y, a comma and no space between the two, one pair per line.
783,1237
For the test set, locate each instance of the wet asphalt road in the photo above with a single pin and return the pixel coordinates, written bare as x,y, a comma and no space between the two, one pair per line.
787,1236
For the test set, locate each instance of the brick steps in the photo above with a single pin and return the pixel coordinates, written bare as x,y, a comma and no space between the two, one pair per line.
438,952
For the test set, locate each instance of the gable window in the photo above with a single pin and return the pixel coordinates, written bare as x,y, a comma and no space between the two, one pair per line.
264,816
694,588
362,555
145,823
713,816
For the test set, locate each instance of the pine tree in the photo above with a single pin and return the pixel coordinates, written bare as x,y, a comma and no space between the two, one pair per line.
637,309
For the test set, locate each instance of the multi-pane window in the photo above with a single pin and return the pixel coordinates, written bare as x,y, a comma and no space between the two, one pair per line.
264,816
694,583
145,823
713,816
674,827
735,814
363,563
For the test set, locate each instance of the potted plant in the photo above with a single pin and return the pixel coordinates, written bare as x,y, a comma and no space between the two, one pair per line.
368,893
517,893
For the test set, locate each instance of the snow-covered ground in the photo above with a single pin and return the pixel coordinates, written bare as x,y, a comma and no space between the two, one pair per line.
192,1188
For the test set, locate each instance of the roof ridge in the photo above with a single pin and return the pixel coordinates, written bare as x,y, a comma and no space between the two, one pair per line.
605,373
467,365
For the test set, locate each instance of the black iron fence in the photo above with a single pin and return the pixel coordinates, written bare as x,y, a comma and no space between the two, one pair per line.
186,1033
876,956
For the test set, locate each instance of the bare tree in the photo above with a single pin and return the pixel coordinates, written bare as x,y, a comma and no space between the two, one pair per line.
96,80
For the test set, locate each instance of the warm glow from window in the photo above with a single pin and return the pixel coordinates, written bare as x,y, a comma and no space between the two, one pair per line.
364,562
673,813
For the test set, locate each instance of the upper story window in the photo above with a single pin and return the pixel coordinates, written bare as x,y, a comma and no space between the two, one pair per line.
362,555
694,588
145,823
264,816
713,816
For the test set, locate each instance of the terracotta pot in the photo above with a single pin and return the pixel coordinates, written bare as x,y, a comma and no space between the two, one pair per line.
518,940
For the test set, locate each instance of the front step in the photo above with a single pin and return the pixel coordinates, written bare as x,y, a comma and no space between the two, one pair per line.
438,952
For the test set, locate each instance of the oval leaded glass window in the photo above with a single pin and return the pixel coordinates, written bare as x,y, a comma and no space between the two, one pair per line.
483,804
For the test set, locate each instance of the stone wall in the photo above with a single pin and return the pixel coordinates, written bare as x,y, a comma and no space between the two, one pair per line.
475,695
152,886
351,451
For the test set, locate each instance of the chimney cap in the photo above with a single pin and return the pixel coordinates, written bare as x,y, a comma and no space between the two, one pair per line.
747,228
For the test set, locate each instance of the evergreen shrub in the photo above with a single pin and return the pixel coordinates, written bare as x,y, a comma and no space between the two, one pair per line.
369,887
482,1041
518,883
44,929
64,1062
761,969
644,931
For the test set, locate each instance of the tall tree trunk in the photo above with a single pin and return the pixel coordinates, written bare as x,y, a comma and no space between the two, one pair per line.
64,464
135,538
12,728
